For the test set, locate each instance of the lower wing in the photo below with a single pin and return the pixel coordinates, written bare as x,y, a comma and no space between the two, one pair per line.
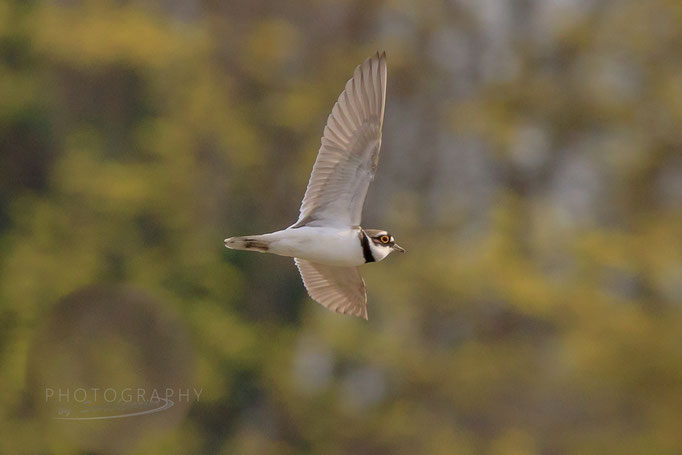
339,289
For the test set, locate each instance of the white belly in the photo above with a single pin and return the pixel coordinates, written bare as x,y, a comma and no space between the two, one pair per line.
325,245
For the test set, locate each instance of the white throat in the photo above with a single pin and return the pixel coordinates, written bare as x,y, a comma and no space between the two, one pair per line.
379,252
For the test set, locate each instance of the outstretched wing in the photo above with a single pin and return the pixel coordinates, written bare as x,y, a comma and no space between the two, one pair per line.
348,156
339,289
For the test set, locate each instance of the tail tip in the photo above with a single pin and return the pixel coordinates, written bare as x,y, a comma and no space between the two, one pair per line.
246,243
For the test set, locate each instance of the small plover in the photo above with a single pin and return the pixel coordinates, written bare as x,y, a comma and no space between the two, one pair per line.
327,242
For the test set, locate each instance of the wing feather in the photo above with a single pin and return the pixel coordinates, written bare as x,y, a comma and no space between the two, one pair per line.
339,289
349,153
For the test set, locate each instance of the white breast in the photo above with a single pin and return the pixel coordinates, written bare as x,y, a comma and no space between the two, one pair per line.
325,245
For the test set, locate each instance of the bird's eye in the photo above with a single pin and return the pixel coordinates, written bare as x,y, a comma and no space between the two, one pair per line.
384,239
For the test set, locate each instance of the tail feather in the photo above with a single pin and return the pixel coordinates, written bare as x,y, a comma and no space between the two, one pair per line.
249,243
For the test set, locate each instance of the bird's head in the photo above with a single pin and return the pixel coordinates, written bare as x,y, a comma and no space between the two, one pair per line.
382,243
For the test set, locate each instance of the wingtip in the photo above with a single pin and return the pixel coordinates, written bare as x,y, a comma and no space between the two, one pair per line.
363,313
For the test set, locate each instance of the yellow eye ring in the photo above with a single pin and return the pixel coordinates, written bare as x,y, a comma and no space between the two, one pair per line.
384,239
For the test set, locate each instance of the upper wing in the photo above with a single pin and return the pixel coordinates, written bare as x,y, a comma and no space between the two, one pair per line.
339,289
348,157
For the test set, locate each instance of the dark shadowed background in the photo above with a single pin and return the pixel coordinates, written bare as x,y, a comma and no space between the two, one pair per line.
531,166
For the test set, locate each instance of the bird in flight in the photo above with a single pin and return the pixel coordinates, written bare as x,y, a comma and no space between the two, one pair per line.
327,242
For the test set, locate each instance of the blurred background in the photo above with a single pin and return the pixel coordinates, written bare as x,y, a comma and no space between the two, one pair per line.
531,167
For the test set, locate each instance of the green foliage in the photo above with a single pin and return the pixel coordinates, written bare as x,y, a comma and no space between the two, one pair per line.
538,313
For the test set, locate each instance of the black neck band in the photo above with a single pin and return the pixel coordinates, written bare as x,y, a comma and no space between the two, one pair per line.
366,250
